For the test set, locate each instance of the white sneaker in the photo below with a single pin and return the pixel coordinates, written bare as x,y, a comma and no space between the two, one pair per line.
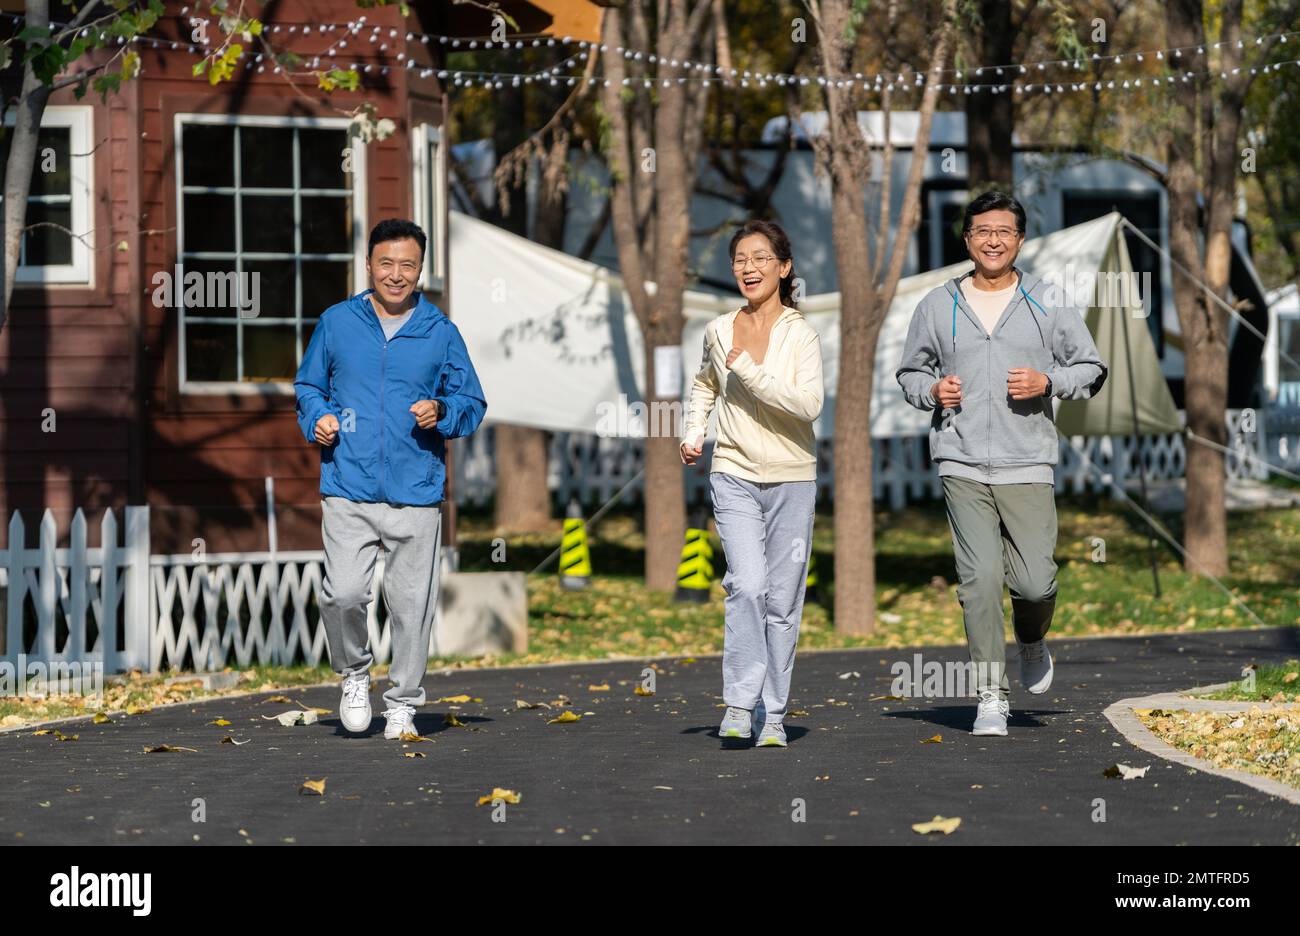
401,719
1036,667
991,716
354,704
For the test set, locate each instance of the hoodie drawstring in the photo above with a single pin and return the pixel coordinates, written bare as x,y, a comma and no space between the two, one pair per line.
1041,337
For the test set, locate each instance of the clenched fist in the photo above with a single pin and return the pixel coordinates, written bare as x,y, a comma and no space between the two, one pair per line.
1024,383
947,391
427,413
327,429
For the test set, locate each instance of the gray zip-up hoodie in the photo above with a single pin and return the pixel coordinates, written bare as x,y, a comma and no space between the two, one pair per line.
990,437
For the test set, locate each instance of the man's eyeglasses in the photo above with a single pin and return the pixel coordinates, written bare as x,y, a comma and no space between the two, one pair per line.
983,233
760,261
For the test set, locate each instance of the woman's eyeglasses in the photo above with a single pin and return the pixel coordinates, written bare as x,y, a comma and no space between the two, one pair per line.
760,262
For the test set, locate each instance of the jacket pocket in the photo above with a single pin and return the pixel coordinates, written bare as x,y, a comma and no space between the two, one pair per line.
957,434
1023,433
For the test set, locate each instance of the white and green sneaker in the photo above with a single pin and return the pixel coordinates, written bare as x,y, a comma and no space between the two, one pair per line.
736,723
772,735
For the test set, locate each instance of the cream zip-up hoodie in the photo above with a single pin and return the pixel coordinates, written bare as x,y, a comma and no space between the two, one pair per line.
765,411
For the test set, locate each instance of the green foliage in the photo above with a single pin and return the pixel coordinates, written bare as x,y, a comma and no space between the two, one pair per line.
337,78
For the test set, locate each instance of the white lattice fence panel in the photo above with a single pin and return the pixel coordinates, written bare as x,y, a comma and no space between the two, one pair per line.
248,609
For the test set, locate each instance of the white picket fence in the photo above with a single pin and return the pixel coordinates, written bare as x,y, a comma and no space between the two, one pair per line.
118,605
83,605
591,469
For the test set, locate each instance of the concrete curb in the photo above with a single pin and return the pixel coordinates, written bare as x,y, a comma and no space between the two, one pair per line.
1122,717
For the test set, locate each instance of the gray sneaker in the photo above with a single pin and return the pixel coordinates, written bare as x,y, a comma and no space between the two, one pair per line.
1036,667
991,717
772,735
736,723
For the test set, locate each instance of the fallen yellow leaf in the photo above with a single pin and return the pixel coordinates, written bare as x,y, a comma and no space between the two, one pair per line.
313,787
453,698
220,722
414,753
937,824
101,719
505,796
641,690
169,749
564,718
603,687
937,739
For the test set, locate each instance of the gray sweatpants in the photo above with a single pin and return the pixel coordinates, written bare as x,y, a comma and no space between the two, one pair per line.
353,533
1002,533
766,532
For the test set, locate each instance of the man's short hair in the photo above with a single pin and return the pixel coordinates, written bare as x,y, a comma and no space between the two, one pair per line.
994,201
396,229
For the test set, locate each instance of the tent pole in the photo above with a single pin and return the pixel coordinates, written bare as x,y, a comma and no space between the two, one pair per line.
1137,450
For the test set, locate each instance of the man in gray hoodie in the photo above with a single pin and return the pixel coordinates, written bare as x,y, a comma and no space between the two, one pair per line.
987,352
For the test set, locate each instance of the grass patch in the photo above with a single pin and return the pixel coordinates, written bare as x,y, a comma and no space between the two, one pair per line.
1104,584
1265,684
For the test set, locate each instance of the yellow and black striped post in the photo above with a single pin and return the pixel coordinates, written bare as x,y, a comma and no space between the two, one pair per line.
810,589
695,571
575,559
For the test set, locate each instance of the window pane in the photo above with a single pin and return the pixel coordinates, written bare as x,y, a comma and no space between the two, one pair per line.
266,157
214,294
275,280
323,284
326,225
270,352
52,171
46,245
268,223
209,222
321,156
209,154
209,352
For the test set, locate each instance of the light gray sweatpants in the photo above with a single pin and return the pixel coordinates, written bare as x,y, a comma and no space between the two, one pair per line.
766,532
353,533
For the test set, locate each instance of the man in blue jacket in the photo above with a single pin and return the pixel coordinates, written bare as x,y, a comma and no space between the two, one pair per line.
385,381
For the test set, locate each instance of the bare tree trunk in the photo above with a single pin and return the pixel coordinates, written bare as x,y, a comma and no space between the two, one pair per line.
990,117
523,498
1204,323
22,158
652,172
522,464
867,287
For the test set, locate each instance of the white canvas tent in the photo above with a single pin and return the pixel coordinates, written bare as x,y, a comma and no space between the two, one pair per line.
557,347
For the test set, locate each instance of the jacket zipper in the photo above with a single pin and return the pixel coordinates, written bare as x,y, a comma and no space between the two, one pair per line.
383,375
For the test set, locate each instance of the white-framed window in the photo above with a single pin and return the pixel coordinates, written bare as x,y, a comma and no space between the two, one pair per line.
60,195
428,161
279,197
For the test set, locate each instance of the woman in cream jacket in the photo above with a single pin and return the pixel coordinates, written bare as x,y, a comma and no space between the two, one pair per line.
762,370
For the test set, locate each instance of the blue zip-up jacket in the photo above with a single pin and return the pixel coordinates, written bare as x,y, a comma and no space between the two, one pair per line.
369,383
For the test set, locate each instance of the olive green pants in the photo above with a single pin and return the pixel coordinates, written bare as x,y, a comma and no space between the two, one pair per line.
1002,533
